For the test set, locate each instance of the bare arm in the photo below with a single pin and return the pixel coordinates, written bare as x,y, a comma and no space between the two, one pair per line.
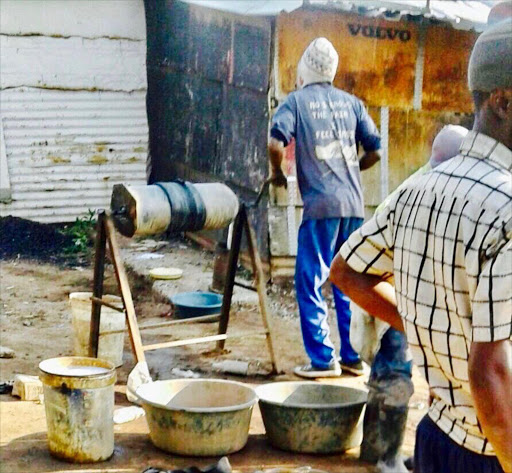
276,153
371,293
369,159
490,379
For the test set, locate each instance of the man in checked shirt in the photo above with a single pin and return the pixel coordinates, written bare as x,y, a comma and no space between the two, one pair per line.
437,262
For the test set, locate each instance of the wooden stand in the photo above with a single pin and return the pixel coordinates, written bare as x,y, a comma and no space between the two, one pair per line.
106,233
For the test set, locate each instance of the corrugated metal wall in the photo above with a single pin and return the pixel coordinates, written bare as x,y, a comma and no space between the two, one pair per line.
73,110
65,150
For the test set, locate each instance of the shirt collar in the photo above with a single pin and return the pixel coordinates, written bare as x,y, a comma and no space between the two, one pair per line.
482,146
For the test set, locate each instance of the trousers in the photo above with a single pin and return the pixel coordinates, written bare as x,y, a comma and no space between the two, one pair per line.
390,388
318,243
435,452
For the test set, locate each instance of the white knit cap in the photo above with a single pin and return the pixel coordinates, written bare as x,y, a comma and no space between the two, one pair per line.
318,63
447,143
490,65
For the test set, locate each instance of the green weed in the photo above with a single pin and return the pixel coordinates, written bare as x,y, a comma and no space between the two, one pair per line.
81,233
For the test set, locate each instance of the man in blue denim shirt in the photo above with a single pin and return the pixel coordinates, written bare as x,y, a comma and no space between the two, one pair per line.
328,126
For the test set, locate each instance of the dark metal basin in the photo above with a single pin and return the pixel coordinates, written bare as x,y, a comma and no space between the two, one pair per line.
310,417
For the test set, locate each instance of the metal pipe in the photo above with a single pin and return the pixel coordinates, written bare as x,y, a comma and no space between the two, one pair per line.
172,206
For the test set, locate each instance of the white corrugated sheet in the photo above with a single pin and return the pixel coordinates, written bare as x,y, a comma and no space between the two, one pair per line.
66,149
72,104
462,14
87,19
72,63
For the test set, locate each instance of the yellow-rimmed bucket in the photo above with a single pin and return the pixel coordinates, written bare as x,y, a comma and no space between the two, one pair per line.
79,405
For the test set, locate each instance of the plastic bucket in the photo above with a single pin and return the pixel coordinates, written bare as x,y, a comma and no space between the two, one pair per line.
110,345
79,405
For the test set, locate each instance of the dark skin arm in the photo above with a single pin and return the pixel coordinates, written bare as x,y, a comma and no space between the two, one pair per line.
276,153
490,379
372,293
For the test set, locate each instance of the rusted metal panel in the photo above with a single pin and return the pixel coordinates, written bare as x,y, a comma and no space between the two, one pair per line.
251,57
243,157
66,149
207,98
377,57
447,54
209,45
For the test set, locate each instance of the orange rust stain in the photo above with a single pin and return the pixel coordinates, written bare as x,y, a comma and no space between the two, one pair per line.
58,159
379,71
98,159
447,54
410,140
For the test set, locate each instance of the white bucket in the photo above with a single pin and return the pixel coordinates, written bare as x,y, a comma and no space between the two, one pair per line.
110,345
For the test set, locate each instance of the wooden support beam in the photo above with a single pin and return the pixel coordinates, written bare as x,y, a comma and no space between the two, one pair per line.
210,338
126,295
203,318
229,284
261,289
107,304
245,286
97,289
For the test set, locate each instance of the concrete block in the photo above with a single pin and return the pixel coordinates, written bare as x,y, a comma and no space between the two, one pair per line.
27,387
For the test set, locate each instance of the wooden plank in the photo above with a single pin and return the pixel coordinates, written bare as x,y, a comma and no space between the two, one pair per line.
231,273
245,286
211,338
260,286
97,289
204,318
107,304
126,295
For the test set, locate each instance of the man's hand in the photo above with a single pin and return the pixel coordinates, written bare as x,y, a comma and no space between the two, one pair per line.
276,155
369,159
490,379
278,178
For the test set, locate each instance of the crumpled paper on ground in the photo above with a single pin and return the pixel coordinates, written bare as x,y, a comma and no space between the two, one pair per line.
138,376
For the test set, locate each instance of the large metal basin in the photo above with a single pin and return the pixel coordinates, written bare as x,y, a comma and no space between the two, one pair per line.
309,417
198,417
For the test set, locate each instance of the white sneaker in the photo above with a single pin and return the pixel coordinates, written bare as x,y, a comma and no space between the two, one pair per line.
310,371
392,466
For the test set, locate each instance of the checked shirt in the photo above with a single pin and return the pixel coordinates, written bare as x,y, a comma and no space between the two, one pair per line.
447,240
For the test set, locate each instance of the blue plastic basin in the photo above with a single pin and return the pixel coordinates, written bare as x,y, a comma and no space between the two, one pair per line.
196,304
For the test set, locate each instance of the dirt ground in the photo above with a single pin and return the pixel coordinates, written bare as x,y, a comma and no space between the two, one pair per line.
36,324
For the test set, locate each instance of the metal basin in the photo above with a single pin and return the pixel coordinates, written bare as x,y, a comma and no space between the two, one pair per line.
198,417
196,304
310,417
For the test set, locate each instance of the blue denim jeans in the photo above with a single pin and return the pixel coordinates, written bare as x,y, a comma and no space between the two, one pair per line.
392,366
319,241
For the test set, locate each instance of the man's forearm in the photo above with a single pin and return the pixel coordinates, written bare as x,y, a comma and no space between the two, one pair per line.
490,378
373,294
276,153
369,159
